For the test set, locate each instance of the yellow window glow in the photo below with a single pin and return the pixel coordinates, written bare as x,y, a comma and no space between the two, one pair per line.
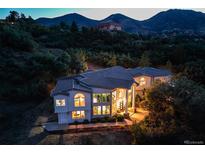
79,100
78,114
106,109
60,102
142,81
96,110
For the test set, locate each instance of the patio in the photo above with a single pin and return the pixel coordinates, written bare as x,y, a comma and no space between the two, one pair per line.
134,117
55,127
139,115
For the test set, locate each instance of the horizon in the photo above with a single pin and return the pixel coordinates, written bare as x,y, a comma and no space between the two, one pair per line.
92,13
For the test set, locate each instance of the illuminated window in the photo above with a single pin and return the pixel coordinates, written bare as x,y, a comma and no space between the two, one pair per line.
78,114
114,93
60,102
96,110
120,94
142,81
106,109
79,100
101,98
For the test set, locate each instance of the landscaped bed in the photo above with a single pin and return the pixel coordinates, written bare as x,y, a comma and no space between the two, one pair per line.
115,118
117,121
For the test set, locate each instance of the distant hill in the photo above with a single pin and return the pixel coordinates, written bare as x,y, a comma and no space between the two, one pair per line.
128,24
176,19
164,21
69,18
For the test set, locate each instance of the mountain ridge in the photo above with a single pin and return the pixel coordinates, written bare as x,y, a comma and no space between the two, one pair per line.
165,20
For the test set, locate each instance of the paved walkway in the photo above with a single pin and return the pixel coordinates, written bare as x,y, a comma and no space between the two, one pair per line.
135,117
139,115
54,126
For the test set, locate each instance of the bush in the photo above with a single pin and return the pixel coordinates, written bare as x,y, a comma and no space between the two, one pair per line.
144,104
137,133
126,116
103,119
86,121
175,109
17,39
95,120
75,122
119,117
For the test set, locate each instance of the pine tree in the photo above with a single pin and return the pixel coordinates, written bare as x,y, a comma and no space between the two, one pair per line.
113,60
74,27
168,65
144,60
13,16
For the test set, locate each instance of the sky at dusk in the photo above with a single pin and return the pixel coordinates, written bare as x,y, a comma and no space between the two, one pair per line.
94,13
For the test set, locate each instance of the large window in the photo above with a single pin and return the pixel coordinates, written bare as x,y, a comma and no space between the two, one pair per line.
106,109
78,114
142,81
79,100
60,102
101,98
96,110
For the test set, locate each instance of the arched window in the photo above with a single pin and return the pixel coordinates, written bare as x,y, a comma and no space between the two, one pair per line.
79,100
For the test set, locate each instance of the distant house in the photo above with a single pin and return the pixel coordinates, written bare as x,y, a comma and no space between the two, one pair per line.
110,26
104,92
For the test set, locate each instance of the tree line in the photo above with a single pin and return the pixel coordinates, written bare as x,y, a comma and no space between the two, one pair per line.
33,55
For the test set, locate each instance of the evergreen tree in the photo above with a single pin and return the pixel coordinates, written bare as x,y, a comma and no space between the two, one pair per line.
112,61
74,27
168,65
13,16
144,60
23,16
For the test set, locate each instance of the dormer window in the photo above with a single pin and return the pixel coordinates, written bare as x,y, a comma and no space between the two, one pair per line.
60,102
79,100
142,81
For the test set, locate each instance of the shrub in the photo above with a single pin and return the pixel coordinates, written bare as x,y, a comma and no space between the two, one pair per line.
137,133
126,116
103,119
17,39
119,117
144,104
95,120
75,122
111,119
86,121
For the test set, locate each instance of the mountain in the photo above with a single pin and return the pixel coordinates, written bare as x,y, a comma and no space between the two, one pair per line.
164,21
176,19
128,24
68,18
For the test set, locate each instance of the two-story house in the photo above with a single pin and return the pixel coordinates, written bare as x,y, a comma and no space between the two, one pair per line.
102,92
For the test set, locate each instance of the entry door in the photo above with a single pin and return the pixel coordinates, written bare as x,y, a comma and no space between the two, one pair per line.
121,106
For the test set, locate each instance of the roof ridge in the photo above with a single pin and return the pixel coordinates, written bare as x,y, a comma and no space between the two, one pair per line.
66,77
103,69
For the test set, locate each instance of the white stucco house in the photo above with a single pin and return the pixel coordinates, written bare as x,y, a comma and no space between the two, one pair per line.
109,26
103,92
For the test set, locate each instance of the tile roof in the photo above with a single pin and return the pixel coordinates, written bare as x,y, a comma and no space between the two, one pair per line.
70,83
149,71
108,78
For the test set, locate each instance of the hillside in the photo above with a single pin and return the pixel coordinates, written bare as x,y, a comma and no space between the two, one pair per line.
167,20
69,18
176,19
